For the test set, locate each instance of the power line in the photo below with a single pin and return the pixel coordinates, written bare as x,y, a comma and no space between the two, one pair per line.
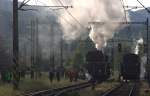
133,7
71,15
24,2
45,5
63,17
122,3
49,6
125,2
144,7
58,14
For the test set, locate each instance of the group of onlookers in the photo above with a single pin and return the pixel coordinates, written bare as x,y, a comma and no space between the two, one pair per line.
71,74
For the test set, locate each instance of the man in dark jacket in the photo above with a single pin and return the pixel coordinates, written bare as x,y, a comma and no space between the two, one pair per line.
51,75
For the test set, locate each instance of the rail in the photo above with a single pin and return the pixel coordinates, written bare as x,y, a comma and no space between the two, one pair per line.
124,89
59,91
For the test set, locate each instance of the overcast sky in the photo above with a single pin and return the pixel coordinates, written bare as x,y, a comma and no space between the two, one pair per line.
127,2
135,3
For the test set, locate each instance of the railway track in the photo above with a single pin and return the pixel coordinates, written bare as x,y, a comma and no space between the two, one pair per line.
60,91
125,89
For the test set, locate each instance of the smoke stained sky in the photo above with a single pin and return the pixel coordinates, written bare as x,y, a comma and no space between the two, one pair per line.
86,11
127,2
83,12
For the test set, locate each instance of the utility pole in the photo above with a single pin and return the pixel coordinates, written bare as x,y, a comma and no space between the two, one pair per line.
148,70
16,76
52,53
37,51
25,55
32,50
147,39
61,51
61,56
34,47
113,60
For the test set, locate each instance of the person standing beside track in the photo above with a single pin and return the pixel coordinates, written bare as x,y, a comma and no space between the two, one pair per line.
58,74
93,82
51,75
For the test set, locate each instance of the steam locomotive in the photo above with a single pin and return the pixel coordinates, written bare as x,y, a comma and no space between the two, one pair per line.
97,65
130,67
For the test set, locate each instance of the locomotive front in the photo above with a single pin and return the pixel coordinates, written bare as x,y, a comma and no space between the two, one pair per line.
130,68
97,65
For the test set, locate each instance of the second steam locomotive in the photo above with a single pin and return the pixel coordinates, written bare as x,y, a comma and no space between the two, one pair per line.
130,67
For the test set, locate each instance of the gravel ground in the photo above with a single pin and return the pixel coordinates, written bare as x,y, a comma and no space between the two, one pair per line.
100,89
144,90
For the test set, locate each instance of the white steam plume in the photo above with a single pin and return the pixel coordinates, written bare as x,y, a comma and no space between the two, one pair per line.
143,64
93,10
138,42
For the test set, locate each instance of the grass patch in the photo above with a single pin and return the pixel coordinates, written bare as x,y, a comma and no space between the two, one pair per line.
28,85
7,90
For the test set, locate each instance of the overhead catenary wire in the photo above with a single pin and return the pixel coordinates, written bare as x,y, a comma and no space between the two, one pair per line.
129,7
58,14
132,7
63,18
24,2
71,14
122,3
125,2
144,6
